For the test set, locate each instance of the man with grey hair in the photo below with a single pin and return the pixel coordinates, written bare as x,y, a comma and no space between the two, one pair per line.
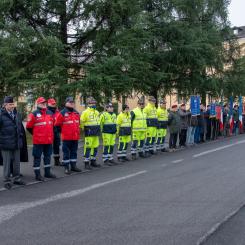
11,141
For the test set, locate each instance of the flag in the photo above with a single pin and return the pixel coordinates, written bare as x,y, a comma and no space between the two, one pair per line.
195,105
212,110
240,112
221,117
231,121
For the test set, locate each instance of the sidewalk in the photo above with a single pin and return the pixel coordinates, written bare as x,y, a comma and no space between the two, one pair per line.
28,174
27,170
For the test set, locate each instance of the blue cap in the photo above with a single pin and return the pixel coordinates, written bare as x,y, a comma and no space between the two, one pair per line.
70,99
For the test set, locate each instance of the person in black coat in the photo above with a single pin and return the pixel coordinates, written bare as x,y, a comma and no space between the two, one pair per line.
202,123
11,141
208,123
23,151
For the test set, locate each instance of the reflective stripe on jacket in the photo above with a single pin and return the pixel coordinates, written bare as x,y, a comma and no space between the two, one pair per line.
41,122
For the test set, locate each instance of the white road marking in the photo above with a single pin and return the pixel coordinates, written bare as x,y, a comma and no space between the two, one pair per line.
9,211
177,161
215,227
218,149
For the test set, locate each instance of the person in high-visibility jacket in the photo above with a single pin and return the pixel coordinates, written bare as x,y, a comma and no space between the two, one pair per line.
109,129
138,120
152,123
124,133
162,115
90,123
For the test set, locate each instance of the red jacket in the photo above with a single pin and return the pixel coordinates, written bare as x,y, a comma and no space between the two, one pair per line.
40,123
69,121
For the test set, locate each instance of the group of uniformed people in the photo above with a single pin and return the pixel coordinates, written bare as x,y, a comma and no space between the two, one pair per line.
144,126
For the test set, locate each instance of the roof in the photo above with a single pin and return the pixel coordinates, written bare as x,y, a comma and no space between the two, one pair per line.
239,31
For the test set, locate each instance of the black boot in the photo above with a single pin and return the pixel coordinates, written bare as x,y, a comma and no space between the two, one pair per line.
126,159
74,168
121,159
39,177
134,157
152,152
57,161
94,164
49,175
107,162
142,155
113,162
67,170
87,166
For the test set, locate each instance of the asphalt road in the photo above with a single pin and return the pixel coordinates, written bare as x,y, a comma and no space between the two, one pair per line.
180,198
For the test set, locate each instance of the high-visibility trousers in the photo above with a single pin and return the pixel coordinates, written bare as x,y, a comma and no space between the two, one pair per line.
91,145
109,141
123,146
161,135
138,142
151,134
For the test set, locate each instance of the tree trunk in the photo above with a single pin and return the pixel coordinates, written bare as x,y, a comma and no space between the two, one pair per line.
63,22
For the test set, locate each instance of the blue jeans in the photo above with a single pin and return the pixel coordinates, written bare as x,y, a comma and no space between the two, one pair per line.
190,135
197,134
236,128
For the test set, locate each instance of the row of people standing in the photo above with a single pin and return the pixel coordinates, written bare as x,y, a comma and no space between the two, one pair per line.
195,129
188,128
145,128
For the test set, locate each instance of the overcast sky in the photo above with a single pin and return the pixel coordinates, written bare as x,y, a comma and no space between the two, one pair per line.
237,12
